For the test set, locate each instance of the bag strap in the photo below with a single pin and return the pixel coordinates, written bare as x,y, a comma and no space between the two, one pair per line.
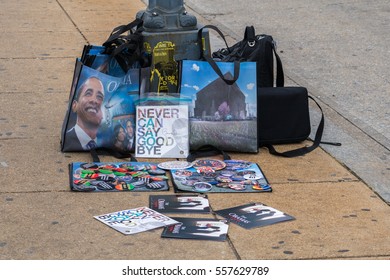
250,38
128,53
105,151
207,151
209,26
304,150
212,63
125,48
279,69
118,31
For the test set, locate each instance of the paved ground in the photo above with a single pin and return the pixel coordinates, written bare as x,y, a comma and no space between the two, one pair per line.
338,215
336,49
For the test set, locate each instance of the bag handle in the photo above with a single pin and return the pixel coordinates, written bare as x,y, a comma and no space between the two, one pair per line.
125,48
209,26
118,31
250,38
131,53
212,62
304,150
250,35
207,151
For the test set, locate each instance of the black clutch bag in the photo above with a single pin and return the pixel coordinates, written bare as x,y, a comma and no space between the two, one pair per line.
284,118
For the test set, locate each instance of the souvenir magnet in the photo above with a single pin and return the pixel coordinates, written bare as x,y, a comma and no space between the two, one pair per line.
130,187
89,176
182,173
140,174
145,180
127,166
246,172
266,187
101,185
87,171
170,165
139,167
189,183
205,170
202,187
84,188
105,171
89,166
213,163
138,183
237,164
156,172
154,186
107,167
81,182
106,178
120,174
124,187
223,179
227,173
223,185
237,187
253,176
261,187
237,178
123,170
159,178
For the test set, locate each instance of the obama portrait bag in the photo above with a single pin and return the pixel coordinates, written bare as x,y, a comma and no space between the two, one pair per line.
101,108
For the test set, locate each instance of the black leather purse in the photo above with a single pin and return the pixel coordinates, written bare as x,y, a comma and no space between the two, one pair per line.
256,48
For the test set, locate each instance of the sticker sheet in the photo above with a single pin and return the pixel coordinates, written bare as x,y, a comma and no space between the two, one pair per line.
195,228
132,221
180,203
254,215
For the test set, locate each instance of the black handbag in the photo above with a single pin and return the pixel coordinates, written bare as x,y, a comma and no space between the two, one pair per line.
284,118
256,48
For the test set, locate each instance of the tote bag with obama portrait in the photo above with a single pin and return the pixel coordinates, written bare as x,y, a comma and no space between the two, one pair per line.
101,109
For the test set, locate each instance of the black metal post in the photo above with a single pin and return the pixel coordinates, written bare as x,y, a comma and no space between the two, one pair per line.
171,34
166,16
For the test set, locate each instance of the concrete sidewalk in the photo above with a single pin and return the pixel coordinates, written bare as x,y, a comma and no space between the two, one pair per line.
337,215
336,50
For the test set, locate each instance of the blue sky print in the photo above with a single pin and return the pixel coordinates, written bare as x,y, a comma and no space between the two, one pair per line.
198,74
